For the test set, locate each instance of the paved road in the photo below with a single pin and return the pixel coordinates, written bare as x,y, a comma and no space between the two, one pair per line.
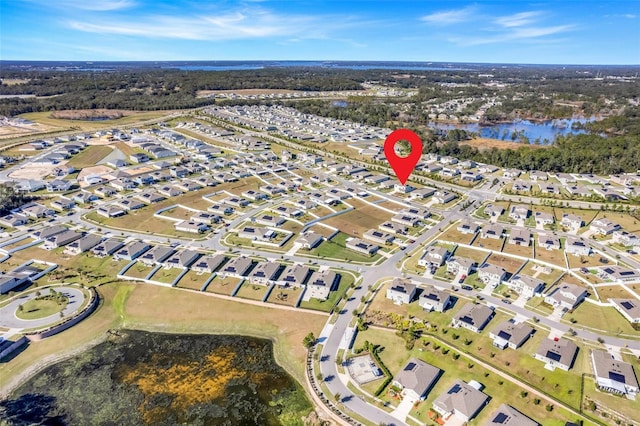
8,318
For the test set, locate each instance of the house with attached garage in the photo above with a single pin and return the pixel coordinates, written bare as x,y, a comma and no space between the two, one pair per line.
309,240
320,284
571,221
468,227
620,274
629,308
506,415
543,218
157,255
604,226
209,263
473,317
548,241
566,296
379,237
237,267
416,379
519,212
525,285
191,227
295,275
61,239
577,246
107,247
401,291
183,259
13,220
265,273
493,210
461,265
360,246
509,334
111,210
493,231
434,256
614,376
491,275
464,400
86,243
131,251
557,353
519,237
433,299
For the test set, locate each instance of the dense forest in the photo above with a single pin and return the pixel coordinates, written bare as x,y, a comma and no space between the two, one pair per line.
10,199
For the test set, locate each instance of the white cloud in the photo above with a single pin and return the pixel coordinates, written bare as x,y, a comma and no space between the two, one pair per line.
518,19
449,17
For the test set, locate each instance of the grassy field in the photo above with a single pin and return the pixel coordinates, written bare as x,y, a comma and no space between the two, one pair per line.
357,222
510,264
525,251
336,249
530,270
489,243
90,156
223,285
166,276
584,261
614,292
603,318
470,253
454,236
555,257
36,309
139,270
131,117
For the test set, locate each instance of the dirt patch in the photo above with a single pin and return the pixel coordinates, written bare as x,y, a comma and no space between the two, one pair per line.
94,170
90,114
34,171
486,143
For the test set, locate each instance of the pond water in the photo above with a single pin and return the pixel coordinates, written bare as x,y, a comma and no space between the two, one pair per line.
163,379
545,131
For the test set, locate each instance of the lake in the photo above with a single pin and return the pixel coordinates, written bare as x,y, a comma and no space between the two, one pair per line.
142,378
544,131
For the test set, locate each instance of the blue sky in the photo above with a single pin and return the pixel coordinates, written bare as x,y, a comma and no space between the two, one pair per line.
557,32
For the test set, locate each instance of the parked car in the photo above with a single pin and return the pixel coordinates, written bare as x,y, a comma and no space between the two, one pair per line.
462,278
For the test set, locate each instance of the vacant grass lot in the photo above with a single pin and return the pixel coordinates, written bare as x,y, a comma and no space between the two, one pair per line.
489,243
602,318
129,118
555,257
223,285
615,292
530,269
510,264
284,296
454,236
166,276
359,221
252,291
193,280
139,270
518,250
90,156
584,261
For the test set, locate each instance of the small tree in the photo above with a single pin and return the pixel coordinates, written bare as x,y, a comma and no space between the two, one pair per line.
309,340
20,308
337,396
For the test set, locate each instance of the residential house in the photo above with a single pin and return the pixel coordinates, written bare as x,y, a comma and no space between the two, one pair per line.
433,299
464,400
604,226
206,218
493,210
361,246
379,237
183,259
525,285
321,284
519,212
221,209
406,219
536,175
256,233
86,243
620,274
549,241
416,379
107,247
443,197
209,263
571,221
191,227
612,375
461,265
84,197
156,255
557,353
394,228
577,247
629,308
519,237
434,256
492,275
104,191
509,334
626,239
13,220
543,218
493,231
566,296
237,267
61,239
473,317
49,231
150,197
401,291
111,210
58,185
131,251
36,210
129,204
506,415
265,273
294,275
270,220
468,227
309,240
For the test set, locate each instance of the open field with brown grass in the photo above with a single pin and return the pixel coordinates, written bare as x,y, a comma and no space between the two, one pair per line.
511,265
469,253
616,292
357,222
166,275
193,280
130,117
252,291
90,156
555,257
486,143
454,236
138,270
284,296
526,251
223,285
589,261
530,269
489,243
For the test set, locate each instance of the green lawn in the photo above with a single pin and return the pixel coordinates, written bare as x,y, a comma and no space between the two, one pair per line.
36,309
602,318
167,276
336,249
394,355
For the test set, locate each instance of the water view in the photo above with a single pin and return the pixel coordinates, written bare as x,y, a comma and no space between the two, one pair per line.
163,379
525,131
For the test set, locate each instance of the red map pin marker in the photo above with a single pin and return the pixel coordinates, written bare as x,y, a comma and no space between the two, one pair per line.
403,166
